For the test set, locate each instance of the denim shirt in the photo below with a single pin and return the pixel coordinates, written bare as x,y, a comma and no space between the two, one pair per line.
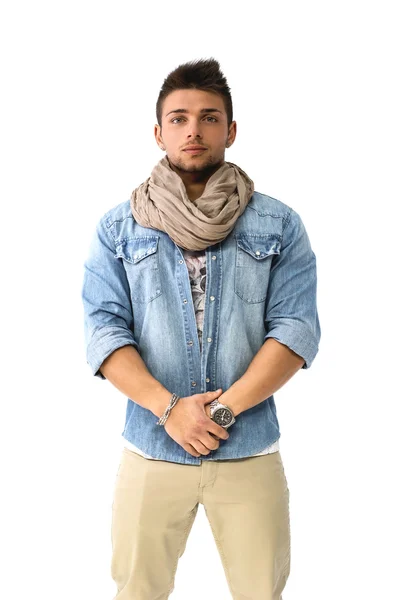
261,283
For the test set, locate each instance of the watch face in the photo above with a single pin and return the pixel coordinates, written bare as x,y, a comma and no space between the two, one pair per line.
222,416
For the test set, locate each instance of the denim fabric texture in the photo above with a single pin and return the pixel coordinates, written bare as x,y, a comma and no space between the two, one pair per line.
261,283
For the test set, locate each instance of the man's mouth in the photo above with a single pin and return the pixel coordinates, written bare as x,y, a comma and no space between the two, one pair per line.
194,150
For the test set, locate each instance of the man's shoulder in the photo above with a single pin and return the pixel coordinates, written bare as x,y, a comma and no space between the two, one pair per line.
118,212
267,205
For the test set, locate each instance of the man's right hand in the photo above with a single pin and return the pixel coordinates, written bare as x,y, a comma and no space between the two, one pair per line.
189,425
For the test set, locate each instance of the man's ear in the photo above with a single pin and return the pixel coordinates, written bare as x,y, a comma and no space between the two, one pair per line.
231,134
157,135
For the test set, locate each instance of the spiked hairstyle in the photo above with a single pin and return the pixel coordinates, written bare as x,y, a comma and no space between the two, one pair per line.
201,74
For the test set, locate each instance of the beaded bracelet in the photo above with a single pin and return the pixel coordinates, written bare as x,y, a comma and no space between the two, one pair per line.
170,406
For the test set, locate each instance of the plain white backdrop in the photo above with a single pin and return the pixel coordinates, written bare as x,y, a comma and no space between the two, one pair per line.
316,100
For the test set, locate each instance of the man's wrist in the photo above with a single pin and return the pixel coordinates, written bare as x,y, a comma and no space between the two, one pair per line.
232,398
162,398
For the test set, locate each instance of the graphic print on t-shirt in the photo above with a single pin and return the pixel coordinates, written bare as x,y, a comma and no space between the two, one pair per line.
196,266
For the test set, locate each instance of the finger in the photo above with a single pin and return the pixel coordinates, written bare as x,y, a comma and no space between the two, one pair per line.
213,444
209,396
192,450
221,432
200,447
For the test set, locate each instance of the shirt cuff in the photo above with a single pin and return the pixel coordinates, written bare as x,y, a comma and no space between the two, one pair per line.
103,343
297,337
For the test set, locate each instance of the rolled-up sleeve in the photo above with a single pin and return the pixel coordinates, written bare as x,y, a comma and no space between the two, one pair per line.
108,316
291,315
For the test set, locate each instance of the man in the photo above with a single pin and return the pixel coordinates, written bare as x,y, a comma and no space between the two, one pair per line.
200,302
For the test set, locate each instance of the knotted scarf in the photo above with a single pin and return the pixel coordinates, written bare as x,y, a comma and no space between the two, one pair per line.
161,202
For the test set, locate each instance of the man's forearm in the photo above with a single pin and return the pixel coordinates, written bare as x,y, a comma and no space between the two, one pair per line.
272,366
126,370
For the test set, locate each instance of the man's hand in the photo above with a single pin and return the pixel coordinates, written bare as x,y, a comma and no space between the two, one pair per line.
189,424
207,409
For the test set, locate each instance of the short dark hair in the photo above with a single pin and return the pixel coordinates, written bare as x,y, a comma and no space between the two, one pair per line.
201,74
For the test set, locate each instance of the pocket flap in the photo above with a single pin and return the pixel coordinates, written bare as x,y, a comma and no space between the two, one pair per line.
135,249
260,246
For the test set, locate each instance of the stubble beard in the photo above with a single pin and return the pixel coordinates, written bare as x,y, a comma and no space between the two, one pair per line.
204,167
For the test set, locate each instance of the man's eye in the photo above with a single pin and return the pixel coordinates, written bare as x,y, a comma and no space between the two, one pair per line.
175,119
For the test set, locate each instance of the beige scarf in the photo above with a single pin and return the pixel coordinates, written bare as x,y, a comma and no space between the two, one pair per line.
161,202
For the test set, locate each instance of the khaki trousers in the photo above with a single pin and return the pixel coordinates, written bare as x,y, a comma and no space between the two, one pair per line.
155,503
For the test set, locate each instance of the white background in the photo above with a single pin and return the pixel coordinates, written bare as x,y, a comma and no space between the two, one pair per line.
315,97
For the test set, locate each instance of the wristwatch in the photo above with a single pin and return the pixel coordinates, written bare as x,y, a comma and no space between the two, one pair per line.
221,414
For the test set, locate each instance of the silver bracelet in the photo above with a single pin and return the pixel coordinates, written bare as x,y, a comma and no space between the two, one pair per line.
170,406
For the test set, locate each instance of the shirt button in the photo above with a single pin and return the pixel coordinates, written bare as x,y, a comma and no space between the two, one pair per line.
185,301
258,253
209,339
212,298
190,342
180,262
194,384
208,380
214,257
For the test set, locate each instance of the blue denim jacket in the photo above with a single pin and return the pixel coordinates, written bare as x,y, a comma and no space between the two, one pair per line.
261,282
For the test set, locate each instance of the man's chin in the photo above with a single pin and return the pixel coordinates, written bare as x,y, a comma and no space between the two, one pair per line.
190,166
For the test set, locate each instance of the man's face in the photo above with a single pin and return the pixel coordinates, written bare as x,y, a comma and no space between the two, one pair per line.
194,117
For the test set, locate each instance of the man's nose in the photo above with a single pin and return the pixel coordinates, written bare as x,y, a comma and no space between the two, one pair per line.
194,129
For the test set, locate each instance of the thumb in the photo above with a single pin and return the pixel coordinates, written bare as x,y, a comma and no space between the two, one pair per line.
212,395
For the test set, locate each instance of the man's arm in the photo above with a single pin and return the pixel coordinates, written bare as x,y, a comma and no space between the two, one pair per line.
127,371
291,322
272,366
111,348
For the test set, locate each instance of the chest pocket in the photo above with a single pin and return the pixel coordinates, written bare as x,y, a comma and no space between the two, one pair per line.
141,262
254,254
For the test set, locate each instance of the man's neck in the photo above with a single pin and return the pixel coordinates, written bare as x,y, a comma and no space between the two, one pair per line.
195,181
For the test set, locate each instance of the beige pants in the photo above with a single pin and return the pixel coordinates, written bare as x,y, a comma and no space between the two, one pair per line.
155,502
